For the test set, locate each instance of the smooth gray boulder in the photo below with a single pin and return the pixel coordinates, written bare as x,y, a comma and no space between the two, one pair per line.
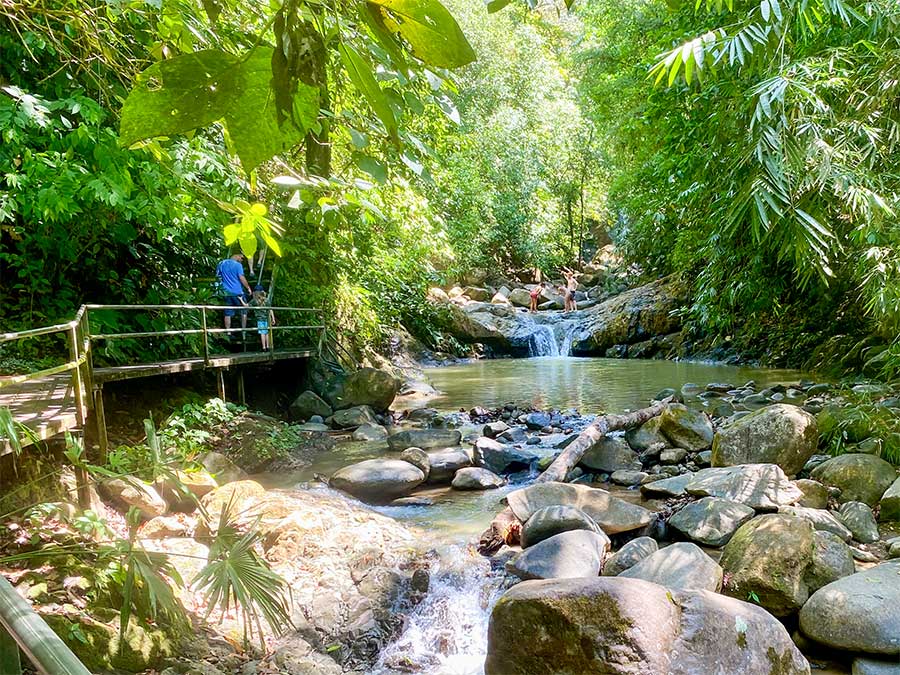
778,434
627,478
763,487
860,477
711,520
667,487
417,457
501,457
629,555
366,386
308,404
858,613
612,514
378,481
890,503
476,478
571,554
427,439
648,434
445,463
682,566
351,418
822,520
551,520
815,495
860,520
832,559
864,666
686,428
371,433
622,626
609,454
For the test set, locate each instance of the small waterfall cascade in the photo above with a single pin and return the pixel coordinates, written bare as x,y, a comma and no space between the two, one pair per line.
551,339
446,634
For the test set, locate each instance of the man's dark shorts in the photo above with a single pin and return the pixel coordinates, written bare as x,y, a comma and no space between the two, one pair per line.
233,301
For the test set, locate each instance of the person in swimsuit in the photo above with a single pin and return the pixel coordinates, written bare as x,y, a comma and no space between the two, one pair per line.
535,293
569,304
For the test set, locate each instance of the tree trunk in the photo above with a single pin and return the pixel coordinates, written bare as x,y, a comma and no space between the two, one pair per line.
505,528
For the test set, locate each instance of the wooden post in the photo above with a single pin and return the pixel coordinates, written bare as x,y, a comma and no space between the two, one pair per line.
205,336
81,478
220,376
100,420
242,393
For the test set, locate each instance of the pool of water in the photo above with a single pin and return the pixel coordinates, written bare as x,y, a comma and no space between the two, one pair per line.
590,385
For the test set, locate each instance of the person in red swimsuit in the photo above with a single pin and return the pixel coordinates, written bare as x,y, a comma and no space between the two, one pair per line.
535,294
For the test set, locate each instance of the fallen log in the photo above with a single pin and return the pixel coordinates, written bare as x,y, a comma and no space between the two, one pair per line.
506,528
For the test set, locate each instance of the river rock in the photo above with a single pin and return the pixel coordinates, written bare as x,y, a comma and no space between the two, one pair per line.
501,457
477,294
815,495
821,519
890,503
183,489
445,463
609,454
622,626
648,434
612,514
494,429
519,297
769,557
863,666
366,387
860,520
575,553
426,439
371,433
860,477
682,566
629,555
672,456
125,493
378,480
240,494
779,434
686,428
163,527
222,469
476,478
551,520
832,560
763,487
627,478
308,404
350,418
537,420
667,487
859,613
711,520
513,435
419,458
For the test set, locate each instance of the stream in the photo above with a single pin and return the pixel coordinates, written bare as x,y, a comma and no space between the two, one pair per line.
447,632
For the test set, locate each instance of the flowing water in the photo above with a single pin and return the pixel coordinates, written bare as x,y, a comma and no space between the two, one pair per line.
447,633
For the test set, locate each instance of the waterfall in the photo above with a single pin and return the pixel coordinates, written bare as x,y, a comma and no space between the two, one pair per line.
542,342
446,633
566,332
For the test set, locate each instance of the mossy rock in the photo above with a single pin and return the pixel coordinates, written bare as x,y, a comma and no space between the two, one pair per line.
96,643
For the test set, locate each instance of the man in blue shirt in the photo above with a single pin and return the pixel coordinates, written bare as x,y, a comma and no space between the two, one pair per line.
230,273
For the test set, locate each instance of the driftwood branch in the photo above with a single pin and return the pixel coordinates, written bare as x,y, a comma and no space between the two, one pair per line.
505,528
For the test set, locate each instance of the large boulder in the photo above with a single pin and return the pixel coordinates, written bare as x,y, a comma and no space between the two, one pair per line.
445,463
832,560
426,439
860,477
890,503
476,478
370,433
308,404
763,487
239,494
686,428
768,558
127,492
501,457
378,480
680,566
609,454
667,487
859,613
551,520
350,418
366,386
621,626
815,495
570,554
629,555
860,520
822,520
222,469
612,514
519,297
711,520
648,434
778,434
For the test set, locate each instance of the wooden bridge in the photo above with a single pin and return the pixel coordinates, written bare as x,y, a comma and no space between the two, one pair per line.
70,396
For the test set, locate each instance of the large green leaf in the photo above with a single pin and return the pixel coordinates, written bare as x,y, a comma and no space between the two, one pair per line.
363,79
178,95
194,90
431,31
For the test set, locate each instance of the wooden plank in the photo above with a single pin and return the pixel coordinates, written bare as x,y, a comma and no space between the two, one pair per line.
46,406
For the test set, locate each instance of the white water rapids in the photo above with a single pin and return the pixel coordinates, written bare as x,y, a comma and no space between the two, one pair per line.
551,339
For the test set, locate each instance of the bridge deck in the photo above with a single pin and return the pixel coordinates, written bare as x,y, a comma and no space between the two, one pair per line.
47,406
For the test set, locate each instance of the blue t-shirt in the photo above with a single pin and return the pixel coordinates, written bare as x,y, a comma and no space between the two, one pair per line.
230,272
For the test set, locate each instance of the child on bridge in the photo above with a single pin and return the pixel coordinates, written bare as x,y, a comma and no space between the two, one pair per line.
264,316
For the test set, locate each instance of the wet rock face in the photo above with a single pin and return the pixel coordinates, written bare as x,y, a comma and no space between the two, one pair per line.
620,626
858,612
778,434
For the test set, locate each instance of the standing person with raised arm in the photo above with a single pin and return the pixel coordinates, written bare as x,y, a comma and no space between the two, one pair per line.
230,273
